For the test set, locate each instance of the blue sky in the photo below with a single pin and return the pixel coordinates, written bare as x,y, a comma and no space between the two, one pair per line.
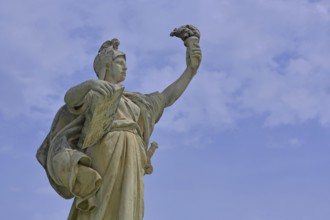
249,139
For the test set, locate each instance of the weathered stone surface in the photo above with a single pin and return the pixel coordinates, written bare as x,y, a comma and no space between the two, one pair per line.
97,149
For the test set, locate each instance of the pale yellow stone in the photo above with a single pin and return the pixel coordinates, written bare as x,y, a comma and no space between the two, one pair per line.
97,150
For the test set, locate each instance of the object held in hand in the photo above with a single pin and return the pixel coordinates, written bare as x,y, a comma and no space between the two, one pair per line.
150,152
185,32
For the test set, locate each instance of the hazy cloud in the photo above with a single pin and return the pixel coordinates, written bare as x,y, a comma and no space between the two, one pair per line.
263,61
275,66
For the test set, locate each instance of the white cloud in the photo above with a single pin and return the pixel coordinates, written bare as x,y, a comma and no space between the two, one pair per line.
272,50
37,53
259,57
278,143
206,103
295,142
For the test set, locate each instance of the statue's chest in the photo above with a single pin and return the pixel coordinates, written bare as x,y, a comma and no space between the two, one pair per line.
127,110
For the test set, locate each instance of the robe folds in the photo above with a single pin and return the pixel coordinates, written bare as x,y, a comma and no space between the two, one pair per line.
106,180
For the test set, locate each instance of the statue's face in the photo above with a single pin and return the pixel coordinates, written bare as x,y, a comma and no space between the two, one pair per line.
117,71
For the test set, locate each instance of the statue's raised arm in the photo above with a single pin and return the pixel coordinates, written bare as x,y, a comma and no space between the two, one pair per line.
190,36
97,150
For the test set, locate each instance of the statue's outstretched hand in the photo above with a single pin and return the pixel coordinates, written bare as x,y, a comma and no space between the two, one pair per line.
194,53
190,35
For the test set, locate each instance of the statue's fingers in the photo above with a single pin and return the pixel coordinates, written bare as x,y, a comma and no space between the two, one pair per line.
108,88
101,91
196,50
196,53
104,87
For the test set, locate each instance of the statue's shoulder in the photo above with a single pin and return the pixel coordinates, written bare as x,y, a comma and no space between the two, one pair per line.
135,97
141,96
152,103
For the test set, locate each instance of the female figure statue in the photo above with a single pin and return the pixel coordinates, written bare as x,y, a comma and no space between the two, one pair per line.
97,149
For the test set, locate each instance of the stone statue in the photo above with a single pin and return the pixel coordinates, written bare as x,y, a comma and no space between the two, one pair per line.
97,149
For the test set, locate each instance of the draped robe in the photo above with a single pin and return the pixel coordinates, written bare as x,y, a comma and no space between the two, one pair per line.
106,179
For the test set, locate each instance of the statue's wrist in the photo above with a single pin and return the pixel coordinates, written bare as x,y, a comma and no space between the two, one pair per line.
191,42
192,69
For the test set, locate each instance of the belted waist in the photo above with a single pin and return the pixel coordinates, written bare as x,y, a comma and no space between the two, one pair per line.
132,128
128,129
129,126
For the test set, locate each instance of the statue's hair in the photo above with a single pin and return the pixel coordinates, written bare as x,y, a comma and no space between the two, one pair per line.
106,54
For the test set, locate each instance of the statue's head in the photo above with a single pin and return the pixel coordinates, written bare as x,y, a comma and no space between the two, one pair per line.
108,55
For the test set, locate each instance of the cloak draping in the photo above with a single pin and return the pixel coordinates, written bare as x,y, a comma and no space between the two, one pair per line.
106,179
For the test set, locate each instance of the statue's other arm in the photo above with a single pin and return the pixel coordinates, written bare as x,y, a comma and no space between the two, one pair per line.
74,97
190,35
